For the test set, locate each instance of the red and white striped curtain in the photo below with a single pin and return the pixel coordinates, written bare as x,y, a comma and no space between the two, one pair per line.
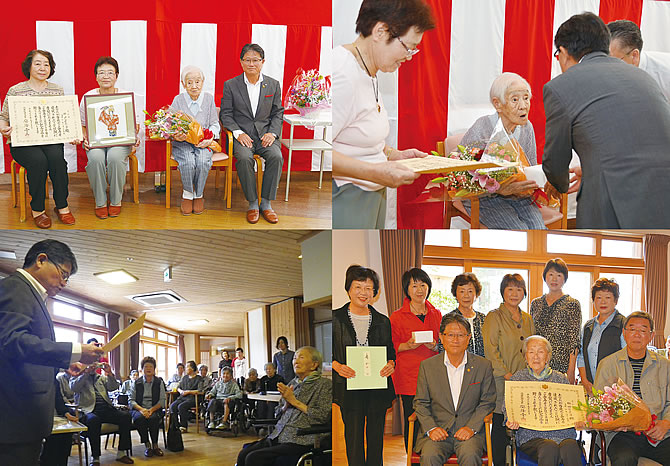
154,40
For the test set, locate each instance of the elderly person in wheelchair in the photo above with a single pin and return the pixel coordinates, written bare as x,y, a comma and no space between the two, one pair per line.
550,447
306,402
510,95
224,392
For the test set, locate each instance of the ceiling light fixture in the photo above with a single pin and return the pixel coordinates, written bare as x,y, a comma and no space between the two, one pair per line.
116,277
6,254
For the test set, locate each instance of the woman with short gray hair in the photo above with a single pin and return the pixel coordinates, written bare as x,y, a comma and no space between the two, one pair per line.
194,161
510,95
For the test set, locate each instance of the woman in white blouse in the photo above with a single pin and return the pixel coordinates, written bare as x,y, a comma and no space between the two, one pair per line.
389,33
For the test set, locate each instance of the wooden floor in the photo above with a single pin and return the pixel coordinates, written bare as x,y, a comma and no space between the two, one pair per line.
199,450
307,208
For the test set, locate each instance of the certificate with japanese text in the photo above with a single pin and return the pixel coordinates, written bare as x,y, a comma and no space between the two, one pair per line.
39,120
543,406
367,362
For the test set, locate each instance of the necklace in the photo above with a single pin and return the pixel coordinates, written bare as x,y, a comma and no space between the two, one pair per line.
367,333
417,313
375,83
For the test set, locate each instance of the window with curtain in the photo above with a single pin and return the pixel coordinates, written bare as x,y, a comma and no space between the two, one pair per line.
75,324
162,346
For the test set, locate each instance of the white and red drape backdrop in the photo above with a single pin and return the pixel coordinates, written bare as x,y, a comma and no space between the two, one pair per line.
154,40
445,88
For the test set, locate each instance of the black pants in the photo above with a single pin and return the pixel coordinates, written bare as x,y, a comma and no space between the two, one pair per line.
20,454
265,451
266,409
147,427
106,414
407,410
626,447
182,405
56,450
499,440
38,160
354,431
549,453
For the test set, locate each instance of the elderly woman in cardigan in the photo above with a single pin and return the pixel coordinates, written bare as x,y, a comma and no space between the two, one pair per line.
195,161
505,210
552,446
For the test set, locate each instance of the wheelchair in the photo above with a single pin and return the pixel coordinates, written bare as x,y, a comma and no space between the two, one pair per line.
319,455
239,421
519,458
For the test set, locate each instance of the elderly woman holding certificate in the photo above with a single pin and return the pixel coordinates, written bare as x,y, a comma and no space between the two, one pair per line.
195,161
41,160
389,33
510,95
552,446
106,163
357,324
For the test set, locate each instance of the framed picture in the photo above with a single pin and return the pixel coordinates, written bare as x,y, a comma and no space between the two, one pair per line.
110,119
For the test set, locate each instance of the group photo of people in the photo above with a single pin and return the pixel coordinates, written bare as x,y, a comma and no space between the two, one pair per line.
221,376
249,104
575,94
458,316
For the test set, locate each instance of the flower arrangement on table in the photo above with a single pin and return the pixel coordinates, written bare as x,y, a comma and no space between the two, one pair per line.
309,91
166,123
617,408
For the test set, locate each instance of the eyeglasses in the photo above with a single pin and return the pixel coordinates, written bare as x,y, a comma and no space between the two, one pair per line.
455,336
63,274
106,73
254,61
556,53
410,52
639,331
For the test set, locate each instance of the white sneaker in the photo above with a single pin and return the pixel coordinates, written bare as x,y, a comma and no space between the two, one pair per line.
211,425
223,426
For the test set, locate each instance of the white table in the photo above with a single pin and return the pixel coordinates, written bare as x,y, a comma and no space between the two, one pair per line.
268,397
323,118
63,426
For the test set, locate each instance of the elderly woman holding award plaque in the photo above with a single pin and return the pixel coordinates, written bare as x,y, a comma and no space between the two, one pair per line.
552,446
40,160
194,161
358,324
106,164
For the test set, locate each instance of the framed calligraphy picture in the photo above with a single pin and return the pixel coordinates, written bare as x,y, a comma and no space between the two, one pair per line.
110,119
40,120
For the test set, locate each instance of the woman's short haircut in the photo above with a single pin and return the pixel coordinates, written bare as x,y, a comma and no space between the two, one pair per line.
417,275
605,284
227,369
192,365
254,48
315,355
501,85
398,15
452,317
181,364
361,274
512,279
188,69
639,315
106,61
147,360
267,364
463,279
532,338
253,371
558,265
201,366
582,34
280,339
57,252
28,62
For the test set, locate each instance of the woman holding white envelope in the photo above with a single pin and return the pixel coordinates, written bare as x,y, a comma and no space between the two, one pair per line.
358,324
415,329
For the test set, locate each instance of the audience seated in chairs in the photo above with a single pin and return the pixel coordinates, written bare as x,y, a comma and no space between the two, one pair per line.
189,385
224,391
305,402
91,395
455,378
207,382
127,385
269,382
66,392
252,384
176,378
147,399
56,449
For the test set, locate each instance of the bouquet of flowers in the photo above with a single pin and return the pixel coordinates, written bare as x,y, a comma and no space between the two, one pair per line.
616,407
308,91
166,123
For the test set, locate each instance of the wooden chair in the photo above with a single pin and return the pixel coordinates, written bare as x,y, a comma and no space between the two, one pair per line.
455,208
415,458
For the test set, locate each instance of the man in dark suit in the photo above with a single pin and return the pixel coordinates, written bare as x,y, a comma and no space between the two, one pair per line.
29,353
252,109
617,120
455,391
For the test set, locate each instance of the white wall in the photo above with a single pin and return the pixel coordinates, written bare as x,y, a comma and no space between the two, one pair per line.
258,348
360,247
189,347
316,275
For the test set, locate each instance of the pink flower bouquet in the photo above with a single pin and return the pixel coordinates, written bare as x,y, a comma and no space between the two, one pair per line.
308,91
166,123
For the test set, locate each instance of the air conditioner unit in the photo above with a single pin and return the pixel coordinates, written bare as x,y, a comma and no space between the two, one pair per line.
158,298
